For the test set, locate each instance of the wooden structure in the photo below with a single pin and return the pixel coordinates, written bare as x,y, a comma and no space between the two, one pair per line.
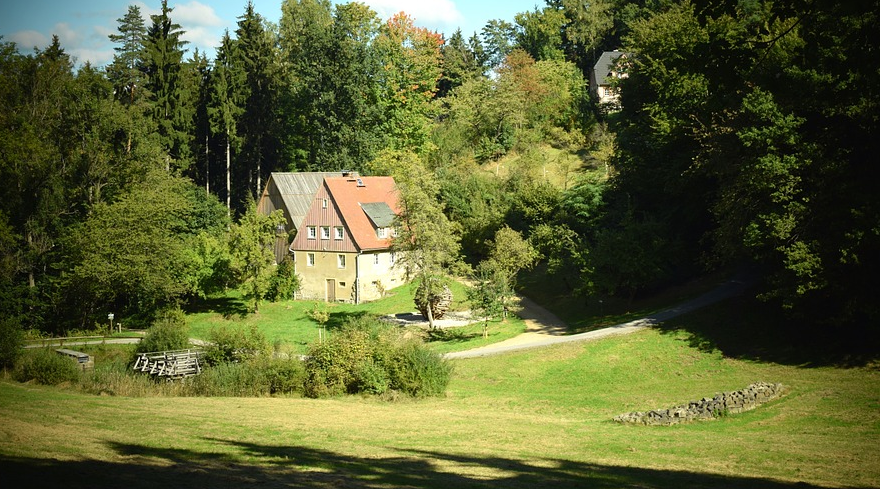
83,360
293,193
439,302
171,364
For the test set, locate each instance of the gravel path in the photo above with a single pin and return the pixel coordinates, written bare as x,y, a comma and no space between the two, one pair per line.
543,328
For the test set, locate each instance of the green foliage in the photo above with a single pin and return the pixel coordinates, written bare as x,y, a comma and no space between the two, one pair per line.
367,356
320,313
230,380
427,242
168,333
250,242
11,341
178,251
45,366
284,282
235,345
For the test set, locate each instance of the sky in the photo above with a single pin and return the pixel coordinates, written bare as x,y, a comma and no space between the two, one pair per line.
82,26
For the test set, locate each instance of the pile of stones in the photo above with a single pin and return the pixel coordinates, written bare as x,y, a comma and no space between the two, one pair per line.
708,408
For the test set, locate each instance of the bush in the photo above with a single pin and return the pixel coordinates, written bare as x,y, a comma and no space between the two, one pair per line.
45,366
11,341
168,333
419,372
230,380
283,375
368,356
284,282
230,344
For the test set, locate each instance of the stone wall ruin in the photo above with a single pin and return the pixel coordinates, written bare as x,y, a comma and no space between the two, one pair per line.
708,408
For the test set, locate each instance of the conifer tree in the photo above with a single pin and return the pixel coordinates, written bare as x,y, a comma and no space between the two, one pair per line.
163,56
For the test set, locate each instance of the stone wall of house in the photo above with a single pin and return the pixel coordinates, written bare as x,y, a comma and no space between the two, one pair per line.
708,408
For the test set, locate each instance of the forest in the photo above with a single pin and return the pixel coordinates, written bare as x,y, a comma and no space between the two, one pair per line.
746,135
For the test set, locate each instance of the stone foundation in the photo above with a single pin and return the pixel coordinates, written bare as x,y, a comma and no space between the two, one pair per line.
708,408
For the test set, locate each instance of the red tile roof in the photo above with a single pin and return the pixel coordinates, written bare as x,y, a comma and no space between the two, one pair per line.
350,193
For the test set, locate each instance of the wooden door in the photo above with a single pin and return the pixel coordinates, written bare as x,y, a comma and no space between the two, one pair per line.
331,290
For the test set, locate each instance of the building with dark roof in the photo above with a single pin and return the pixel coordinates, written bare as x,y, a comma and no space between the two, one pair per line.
603,75
342,250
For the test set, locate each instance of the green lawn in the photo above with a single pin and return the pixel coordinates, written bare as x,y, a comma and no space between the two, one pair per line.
534,418
289,323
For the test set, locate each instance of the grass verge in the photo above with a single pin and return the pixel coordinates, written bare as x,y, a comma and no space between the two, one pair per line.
533,418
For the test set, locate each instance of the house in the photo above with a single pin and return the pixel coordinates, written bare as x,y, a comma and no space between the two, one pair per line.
602,77
342,251
292,193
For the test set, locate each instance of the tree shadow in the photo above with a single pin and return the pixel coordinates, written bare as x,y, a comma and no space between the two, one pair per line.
228,307
338,319
221,465
746,328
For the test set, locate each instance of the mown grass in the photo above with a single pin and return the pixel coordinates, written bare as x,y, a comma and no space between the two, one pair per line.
289,322
534,418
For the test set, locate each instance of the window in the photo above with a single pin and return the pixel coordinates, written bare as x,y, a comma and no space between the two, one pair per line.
376,259
342,284
323,203
325,232
310,259
338,232
340,260
382,232
313,232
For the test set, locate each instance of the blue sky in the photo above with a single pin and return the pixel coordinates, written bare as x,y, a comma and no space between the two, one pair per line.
83,25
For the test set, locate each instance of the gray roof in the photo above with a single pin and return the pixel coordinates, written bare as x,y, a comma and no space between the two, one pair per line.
603,68
297,190
380,213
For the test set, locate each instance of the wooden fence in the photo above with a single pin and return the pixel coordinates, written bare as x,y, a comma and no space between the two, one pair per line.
171,364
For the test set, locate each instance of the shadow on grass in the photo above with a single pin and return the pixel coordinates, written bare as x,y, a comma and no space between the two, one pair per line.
450,335
228,307
140,466
746,328
338,319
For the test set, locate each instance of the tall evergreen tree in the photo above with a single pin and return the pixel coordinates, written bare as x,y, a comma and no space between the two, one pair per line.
125,69
225,107
258,124
163,53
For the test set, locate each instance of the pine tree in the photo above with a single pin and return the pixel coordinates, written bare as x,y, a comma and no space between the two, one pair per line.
162,65
258,123
225,109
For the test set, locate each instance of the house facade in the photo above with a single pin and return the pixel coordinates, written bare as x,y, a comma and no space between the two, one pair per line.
342,250
292,193
602,77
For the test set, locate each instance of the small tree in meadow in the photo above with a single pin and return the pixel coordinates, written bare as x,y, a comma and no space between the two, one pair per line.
251,243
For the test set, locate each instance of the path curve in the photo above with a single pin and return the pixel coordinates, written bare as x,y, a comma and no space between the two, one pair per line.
543,328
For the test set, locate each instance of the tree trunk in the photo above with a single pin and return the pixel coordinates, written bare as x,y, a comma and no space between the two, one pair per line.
430,316
207,168
228,178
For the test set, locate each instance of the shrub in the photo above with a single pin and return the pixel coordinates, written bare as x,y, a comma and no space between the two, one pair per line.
11,341
230,344
230,380
283,375
368,356
284,282
45,366
167,333
117,379
418,371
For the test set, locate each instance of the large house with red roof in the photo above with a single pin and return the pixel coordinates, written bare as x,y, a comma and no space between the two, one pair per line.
342,248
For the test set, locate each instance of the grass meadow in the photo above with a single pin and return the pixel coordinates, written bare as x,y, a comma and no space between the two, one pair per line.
529,419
